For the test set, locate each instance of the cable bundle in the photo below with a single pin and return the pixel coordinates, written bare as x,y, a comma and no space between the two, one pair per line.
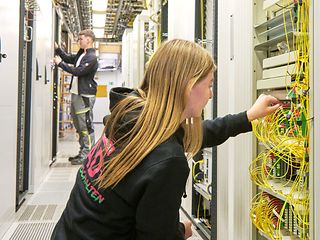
282,166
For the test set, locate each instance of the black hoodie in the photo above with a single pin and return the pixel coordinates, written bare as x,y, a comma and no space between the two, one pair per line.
145,204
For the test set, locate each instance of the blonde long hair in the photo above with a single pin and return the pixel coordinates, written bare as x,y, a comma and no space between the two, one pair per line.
170,75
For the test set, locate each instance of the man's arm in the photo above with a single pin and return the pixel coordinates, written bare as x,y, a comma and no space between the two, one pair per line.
68,58
86,66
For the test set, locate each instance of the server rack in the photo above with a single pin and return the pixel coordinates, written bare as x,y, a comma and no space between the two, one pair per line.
204,167
282,169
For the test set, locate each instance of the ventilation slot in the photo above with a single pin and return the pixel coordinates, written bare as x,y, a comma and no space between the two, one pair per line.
38,213
34,231
50,212
35,213
27,213
63,165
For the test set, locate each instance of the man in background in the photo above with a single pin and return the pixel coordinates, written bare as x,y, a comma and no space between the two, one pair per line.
83,67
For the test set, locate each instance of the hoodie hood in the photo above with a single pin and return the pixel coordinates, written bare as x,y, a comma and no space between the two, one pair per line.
115,96
128,121
119,93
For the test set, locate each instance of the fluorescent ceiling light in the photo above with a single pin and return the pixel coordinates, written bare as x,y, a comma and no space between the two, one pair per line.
98,32
99,5
98,20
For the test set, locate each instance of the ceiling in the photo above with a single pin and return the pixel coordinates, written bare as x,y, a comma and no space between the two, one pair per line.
119,15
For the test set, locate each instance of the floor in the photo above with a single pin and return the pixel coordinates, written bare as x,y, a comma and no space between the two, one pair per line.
36,218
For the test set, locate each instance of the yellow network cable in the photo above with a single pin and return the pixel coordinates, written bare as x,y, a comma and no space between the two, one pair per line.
202,22
198,211
194,175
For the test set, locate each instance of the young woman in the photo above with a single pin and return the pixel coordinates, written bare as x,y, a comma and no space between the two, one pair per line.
131,184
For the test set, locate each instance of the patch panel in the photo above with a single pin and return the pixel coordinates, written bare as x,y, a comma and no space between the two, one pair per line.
272,83
279,60
279,71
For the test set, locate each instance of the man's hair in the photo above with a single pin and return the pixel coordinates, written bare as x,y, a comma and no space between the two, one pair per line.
88,33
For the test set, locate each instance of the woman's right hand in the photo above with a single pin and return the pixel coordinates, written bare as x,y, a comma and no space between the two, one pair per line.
263,106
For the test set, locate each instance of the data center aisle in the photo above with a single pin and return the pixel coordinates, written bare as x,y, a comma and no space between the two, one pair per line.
36,218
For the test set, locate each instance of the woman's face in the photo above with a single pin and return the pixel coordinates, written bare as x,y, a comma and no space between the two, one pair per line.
199,96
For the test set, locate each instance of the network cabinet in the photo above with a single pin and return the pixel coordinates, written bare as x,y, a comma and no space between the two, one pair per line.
280,208
203,211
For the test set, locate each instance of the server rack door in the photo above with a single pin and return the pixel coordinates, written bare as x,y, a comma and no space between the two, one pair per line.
24,101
